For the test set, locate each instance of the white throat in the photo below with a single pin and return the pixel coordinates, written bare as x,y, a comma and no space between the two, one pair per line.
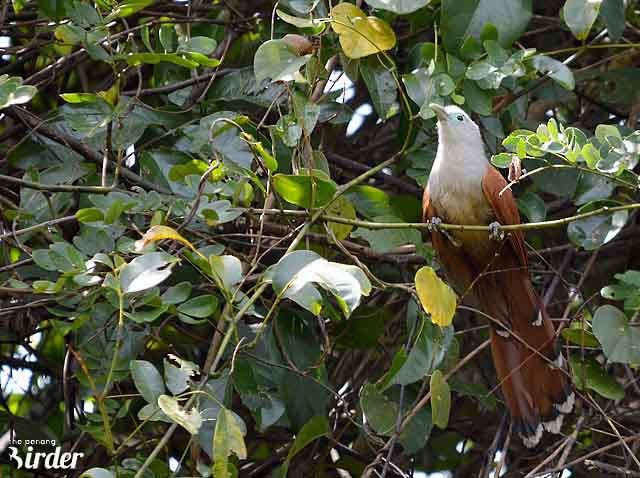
455,182
459,159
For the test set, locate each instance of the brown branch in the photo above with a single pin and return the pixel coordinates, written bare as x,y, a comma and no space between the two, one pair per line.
85,151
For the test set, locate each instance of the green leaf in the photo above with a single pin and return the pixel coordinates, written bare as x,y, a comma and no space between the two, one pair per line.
556,70
80,98
427,353
594,231
479,70
128,8
177,293
115,211
592,188
384,240
85,15
417,432
147,380
502,160
532,206
317,427
577,334
146,271
341,207
190,420
362,330
227,439
145,315
299,22
278,61
90,214
628,290
198,44
294,276
152,412
589,374
359,34
178,378
591,155
478,99
200,59
612,12
401,7
380,412
200,307
484,397
135,59
61,257
422,90
620,341
444,84
226,268
579,15
382,87
461,20
440,400
12,92
497,55
301,190
606,133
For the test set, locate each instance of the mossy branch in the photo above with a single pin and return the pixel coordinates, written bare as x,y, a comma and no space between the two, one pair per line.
452,227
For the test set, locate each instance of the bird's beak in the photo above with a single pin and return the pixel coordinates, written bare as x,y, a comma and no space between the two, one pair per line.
439,110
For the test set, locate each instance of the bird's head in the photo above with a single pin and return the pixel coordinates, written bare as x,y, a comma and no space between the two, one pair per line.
453,122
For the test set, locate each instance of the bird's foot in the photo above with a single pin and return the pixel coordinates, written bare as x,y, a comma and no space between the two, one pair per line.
433,223
495,231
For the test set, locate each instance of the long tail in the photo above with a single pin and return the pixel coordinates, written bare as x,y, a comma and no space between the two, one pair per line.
528,361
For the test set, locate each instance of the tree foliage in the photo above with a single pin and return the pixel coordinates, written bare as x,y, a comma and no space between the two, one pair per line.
211,255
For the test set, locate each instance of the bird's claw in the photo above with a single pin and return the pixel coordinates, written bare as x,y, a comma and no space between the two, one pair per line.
495,231
433,224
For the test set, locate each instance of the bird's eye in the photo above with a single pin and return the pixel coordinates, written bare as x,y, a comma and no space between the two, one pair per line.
460,118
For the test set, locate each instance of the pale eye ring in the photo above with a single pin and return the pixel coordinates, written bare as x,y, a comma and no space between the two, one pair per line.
460,118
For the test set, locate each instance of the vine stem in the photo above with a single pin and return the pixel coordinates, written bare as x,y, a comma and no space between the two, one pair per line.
449,227
592,47
112,367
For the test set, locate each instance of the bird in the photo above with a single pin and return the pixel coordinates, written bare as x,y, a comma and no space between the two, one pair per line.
490,272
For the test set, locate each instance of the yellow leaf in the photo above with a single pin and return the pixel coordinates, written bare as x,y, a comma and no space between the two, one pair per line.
159,233
436,297
111,95
360,35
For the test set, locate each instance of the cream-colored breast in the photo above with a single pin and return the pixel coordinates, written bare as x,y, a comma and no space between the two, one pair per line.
458,196
455,190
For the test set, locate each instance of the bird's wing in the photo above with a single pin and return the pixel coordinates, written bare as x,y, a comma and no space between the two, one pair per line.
505,209
459,268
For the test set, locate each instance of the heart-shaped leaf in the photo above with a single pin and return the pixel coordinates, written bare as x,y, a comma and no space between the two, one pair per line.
296,274
620,341
146,271
359,34
579,15
277,60
147,380
594,231
590,374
